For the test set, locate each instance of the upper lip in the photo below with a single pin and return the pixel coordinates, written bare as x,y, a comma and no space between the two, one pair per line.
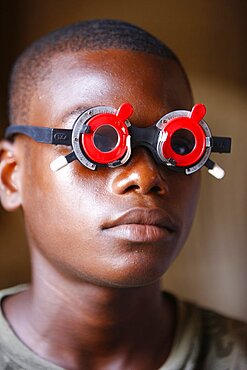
143,216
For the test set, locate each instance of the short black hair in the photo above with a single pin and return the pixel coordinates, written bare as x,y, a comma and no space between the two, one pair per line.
31,66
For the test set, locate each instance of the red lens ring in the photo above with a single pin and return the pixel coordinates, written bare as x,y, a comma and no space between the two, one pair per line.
88,139
197,131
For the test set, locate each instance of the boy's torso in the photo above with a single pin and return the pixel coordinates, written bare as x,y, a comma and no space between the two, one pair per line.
204,340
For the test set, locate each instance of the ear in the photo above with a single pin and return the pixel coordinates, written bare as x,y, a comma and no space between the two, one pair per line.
9,177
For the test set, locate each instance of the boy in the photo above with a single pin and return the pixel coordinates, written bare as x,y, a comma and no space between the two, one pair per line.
101,240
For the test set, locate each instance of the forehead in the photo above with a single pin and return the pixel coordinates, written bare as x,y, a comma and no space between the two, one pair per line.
76,81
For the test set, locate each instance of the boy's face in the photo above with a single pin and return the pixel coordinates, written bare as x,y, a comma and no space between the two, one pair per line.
71,215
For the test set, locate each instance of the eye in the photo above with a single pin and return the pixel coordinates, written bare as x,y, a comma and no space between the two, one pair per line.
105,138
183,142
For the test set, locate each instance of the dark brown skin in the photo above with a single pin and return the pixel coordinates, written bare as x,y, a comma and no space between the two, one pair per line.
95,301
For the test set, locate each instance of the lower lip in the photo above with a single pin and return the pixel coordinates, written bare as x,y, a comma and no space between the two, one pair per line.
140,233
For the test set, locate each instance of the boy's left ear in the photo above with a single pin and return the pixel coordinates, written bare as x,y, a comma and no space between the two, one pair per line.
10,194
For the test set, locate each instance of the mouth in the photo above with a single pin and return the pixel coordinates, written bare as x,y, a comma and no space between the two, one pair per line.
141,225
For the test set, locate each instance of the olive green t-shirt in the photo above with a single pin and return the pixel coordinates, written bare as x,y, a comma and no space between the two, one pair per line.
204,340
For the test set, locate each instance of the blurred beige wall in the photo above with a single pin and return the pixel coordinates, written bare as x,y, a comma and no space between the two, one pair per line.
210,37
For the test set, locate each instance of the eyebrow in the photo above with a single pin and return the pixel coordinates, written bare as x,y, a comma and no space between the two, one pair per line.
74,114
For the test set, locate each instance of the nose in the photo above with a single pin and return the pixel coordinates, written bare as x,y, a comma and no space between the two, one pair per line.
141,175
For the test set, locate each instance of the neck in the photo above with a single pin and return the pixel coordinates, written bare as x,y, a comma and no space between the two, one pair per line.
90,322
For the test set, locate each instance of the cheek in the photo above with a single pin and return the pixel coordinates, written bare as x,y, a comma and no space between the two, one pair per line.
185,200
61,208
60,219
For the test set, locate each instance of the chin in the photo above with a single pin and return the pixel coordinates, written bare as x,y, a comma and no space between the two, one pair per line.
125,266
131,275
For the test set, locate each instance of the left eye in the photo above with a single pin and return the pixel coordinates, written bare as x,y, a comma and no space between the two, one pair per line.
182,142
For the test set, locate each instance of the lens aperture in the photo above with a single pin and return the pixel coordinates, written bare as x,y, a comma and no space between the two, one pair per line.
182,141
105,138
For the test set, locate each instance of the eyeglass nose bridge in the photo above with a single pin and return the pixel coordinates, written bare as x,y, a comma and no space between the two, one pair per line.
146,137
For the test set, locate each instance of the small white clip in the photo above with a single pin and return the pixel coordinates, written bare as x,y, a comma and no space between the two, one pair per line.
58,163
217,172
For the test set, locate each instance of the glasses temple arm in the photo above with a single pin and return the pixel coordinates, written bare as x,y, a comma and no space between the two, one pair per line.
221,144
41,134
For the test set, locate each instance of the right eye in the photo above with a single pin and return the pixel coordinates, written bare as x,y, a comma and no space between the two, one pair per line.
105,138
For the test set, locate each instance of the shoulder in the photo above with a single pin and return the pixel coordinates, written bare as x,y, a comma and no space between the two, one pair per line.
206,340
15,355
223,340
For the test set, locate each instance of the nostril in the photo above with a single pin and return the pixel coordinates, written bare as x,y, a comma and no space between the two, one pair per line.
131,188
156,189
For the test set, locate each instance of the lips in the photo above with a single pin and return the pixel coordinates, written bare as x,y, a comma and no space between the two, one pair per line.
141,225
